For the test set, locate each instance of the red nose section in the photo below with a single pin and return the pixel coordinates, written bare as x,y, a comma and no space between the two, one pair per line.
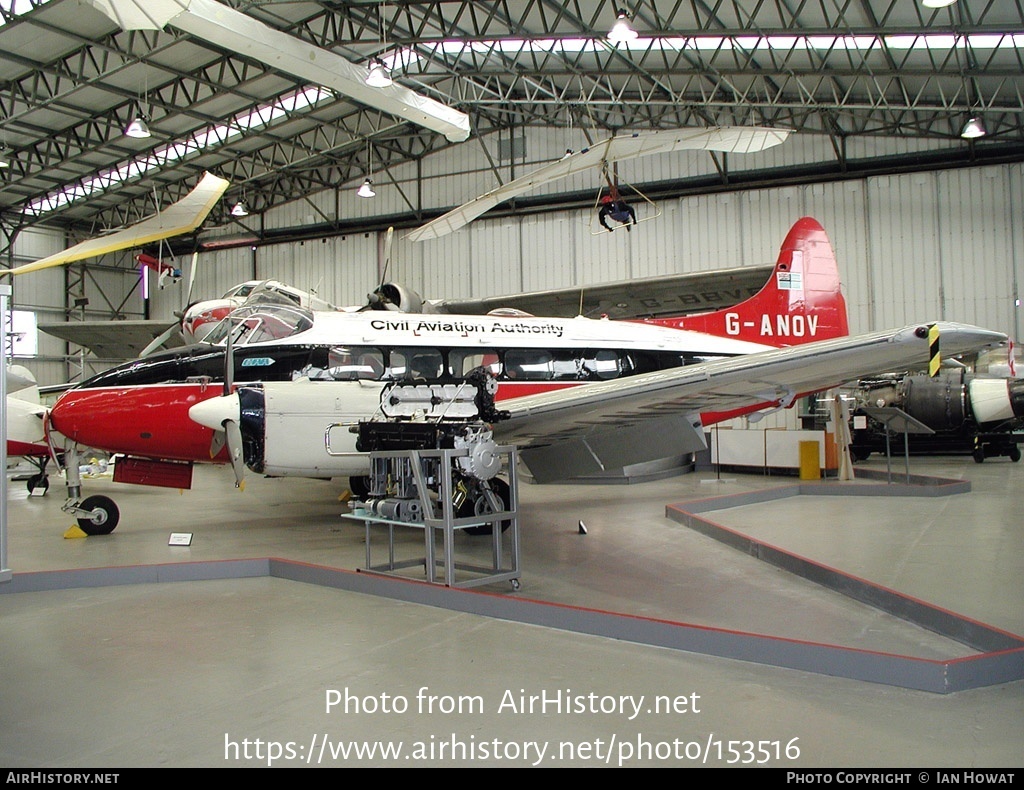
149,421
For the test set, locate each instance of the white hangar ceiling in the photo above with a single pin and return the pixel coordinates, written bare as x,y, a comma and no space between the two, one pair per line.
71,79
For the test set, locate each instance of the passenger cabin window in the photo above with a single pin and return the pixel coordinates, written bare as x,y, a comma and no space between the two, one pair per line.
566,365
415,364
604,365
462,360
529,365
353,363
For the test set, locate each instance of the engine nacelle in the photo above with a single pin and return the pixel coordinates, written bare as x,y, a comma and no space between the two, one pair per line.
398,298
303,428
996,400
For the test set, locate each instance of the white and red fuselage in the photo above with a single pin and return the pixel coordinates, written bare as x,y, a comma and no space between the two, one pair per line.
324,371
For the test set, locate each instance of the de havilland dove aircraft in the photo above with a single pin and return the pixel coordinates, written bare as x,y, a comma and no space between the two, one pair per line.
279,388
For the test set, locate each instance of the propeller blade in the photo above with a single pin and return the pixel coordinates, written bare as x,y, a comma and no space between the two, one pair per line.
159,340
387,253
234,437
222,415
192,276
376,300
229,358
217,443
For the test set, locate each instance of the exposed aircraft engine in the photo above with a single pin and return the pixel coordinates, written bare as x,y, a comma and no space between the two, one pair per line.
418,417
949,400
398,298
974,413
317,428
473,398
430,401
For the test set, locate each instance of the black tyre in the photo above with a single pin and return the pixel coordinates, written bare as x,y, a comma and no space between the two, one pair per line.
359,486
979,456
1014,453
479,506
38,481
104,518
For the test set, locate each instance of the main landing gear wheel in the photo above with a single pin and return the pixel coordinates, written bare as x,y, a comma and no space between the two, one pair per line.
480,506
104,515
38,481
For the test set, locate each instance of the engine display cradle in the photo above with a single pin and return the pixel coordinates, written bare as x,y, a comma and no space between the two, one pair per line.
444,568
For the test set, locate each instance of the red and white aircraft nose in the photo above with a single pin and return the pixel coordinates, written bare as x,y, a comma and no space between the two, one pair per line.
148,421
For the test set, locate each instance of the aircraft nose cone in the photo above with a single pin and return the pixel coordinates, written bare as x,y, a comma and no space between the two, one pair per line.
64,415
214,412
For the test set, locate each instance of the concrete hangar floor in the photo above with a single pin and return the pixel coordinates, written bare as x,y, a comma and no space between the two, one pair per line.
219,672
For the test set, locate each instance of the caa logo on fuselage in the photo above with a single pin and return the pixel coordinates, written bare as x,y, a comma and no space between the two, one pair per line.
773,325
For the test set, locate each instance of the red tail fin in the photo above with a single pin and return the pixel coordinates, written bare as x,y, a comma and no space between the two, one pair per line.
801,301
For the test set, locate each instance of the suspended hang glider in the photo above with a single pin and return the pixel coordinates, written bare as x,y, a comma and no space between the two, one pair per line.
236,32
176,220
726,139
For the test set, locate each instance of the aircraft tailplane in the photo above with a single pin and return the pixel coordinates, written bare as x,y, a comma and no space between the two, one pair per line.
801,302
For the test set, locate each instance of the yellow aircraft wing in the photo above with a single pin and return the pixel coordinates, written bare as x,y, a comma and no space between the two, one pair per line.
182,217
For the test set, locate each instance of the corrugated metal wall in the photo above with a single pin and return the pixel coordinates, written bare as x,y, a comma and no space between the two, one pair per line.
46,294
941,245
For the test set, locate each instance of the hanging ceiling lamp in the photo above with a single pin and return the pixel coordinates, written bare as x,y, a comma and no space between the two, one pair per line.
240,209
622,30
366,188
974,128
138,127
378,75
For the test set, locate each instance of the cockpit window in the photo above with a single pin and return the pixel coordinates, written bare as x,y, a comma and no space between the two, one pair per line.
240,290
261,324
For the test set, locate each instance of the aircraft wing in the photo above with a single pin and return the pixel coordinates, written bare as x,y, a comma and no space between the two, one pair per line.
19,378
112,339
731,139
609,425
177,219
650,297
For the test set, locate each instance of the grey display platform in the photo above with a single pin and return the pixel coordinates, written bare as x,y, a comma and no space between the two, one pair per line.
1001,654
